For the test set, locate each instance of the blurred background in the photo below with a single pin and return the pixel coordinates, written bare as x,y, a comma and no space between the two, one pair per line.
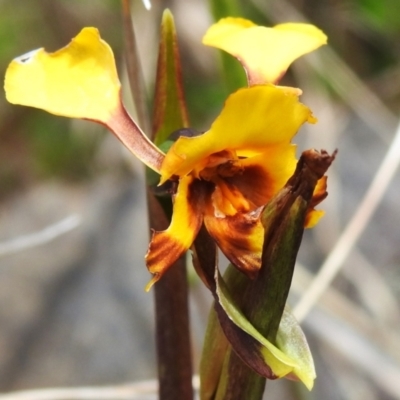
73,311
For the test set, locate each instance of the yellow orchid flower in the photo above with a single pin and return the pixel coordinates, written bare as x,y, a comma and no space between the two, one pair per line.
228,174
79,81
225,176
265,53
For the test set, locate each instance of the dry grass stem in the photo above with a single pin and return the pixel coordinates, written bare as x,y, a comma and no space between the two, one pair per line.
38,238
335,304
353,230
144,390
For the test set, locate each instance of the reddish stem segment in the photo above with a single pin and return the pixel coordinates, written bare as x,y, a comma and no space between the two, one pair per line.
129,133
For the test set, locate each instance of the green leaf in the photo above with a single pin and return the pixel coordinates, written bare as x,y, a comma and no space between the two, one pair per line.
292,341
275,359
169,112
291,355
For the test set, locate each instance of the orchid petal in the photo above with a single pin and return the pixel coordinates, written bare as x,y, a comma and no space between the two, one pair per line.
239,237
313,217
252,120
293,343
265,53
167,246
320,193
77,81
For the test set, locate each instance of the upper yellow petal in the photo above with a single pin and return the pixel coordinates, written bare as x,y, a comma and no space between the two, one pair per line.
252,120
265,53
78,81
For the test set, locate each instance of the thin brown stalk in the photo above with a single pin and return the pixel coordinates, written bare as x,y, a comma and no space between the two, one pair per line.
172,321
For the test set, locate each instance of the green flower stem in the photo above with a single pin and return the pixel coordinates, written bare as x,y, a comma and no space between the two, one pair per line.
239,381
